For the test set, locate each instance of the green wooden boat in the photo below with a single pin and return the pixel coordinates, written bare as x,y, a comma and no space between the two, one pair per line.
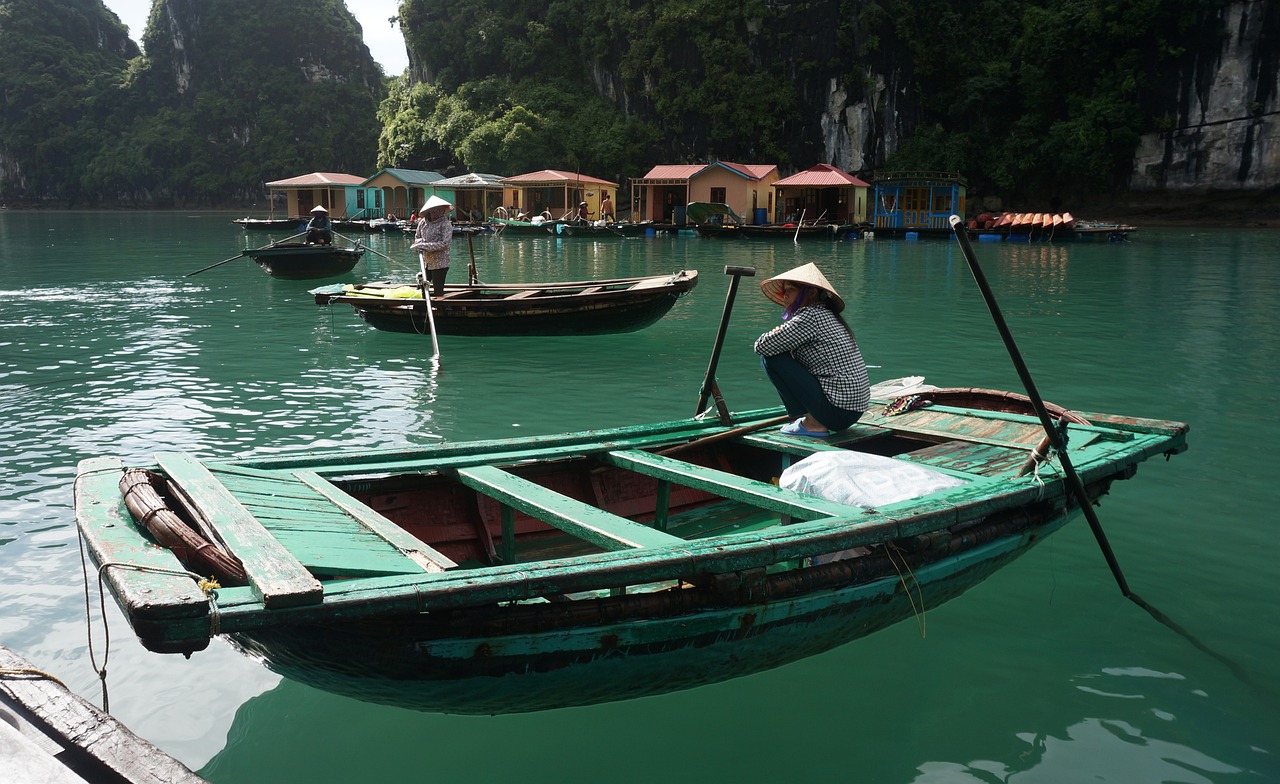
533,573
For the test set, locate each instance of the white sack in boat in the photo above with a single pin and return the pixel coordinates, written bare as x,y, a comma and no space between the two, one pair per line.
863,480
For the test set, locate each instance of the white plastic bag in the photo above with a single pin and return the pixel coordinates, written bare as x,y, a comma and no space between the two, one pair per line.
863,480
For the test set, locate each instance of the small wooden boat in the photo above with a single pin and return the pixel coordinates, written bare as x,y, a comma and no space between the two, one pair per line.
534,573
48,733
588,307
271,224
305,261
713,219
602,231
819,231
541,225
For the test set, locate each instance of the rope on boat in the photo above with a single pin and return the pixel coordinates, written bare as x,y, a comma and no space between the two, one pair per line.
28,673
918,611
208,586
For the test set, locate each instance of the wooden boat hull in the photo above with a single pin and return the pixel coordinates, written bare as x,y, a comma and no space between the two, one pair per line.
271,224
505,663
622,305
533,573
514,228
611,231
300,261
823,232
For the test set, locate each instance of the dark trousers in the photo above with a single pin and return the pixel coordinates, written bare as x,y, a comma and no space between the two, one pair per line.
436,278
802,394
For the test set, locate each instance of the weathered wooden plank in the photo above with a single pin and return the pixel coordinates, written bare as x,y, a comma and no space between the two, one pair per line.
112,537
411,546
728,485
588,523
114,752
274,574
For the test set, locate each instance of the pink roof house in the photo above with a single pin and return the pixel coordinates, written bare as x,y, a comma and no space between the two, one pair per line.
822,193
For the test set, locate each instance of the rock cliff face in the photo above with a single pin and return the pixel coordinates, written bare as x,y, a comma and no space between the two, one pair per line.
1225,114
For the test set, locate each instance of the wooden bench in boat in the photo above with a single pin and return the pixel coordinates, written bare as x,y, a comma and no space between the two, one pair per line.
726,485
527,293
601,528
288,527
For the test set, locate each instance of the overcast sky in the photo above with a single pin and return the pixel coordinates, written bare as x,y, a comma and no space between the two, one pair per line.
384,41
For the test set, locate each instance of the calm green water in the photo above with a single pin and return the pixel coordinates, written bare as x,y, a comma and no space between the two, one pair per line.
1044,673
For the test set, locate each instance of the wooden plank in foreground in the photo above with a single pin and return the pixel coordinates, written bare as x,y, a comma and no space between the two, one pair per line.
601,528
102,748
276,576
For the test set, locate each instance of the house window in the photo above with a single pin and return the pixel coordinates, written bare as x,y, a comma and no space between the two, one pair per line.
718,195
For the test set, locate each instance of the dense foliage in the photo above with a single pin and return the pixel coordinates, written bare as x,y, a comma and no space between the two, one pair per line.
1026,96
230,94
49,109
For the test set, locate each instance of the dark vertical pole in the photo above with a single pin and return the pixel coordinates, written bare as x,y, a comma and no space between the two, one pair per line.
709,386
1073,479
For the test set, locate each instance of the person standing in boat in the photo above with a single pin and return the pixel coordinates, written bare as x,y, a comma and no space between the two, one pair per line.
583,216
320,228
812,358
432,239
606,209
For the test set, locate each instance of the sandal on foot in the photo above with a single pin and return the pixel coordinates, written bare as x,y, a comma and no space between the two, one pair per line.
797,428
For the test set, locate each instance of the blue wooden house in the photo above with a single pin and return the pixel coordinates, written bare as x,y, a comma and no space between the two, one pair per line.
916,201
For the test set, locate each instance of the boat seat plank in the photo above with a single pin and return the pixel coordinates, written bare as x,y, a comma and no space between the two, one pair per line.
728,485
327,530
276,576
411,546
570,515
805,446
524,294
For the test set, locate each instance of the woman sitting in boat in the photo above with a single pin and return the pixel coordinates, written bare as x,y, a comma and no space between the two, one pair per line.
319,228
583,216
812,357
432,239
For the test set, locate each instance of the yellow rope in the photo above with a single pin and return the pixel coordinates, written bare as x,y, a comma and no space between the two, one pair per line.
15,673
919,611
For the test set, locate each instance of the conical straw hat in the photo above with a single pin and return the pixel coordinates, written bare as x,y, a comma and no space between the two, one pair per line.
808,275
434,201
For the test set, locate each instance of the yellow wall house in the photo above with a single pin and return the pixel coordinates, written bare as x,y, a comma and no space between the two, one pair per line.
403,190
745,188
340,194
556,192
822,193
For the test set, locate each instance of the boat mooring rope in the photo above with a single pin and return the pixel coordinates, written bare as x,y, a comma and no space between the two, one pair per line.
28,673
207,585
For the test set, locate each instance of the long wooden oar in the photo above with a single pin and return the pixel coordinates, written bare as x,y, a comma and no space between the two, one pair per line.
426,299
799,225
724,435
1082,498
709,386
240,255
472,278
1073,479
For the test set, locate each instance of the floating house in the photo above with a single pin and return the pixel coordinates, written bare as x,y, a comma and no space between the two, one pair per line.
556,192
915,201
747,189
343,195
474,196
661,195
403,191
822,193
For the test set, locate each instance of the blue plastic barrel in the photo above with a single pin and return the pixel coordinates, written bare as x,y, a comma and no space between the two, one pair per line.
762,216
913,235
